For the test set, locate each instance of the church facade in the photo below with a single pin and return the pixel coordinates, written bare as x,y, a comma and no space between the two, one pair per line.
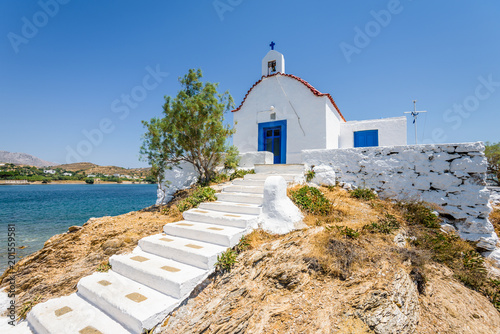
284,114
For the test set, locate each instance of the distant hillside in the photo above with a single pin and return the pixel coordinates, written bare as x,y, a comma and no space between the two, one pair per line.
23,159
90,168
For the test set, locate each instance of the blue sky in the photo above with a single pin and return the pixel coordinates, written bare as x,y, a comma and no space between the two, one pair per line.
95,69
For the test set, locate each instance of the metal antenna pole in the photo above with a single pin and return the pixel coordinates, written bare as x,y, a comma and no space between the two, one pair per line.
415,114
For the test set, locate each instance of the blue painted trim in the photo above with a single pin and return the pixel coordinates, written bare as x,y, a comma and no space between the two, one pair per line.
282,125
366,138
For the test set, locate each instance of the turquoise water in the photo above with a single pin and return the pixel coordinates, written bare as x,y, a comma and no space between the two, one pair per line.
41,211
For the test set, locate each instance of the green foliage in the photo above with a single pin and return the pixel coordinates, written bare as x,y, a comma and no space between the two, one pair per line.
239,173
345,231
311,200
232,158
385,225
191,129
363,193
103,267
243,245
419,213
226,261
492,153
220,177
89,180
27,306
310,175
200,195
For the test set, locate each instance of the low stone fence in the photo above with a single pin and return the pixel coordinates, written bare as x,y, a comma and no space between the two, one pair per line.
449,175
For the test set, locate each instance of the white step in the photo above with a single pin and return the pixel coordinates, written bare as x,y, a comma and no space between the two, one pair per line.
71,315
171,277
220,218
227,236
232,207
243,182
195,253
136,306
262,177
240,198
18,328
279,169
244,189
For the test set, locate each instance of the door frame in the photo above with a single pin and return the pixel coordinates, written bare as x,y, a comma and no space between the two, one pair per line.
282,126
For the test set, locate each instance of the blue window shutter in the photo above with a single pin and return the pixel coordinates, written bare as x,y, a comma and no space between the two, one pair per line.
366,138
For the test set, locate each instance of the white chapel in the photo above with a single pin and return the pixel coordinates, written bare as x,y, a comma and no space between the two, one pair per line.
284,114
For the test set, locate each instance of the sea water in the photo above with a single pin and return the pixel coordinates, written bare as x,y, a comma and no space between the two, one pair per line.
37,212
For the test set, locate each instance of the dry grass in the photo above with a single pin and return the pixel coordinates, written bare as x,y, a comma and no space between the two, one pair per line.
495,219
258,237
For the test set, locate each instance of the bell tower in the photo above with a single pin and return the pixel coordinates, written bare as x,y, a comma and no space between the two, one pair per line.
273,62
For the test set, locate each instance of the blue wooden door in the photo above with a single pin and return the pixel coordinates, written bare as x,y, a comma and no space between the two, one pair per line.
272,142
366,138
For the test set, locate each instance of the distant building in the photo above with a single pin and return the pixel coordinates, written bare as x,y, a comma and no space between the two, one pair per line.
67,174
49,171
91,175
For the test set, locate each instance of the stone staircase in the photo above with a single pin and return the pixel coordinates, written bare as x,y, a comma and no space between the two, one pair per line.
143,287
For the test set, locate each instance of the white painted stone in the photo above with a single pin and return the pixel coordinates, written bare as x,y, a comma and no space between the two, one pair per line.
494,255
248,160
470,165
193,252
422,183
217,234
324,175
240,198
495,198
177,178
244,189
279,214
220,218
444,181
43,319
231,207
150,273
447,228
138,315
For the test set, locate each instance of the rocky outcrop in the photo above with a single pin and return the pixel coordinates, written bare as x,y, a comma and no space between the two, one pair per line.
393,311
277,288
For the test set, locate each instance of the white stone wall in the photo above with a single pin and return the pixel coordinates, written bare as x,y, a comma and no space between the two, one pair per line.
391,131
177,178
449,175
250,159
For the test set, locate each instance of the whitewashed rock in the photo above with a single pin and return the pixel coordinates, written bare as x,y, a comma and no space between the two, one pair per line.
447,228
488,243
177,178
470,165
494,255
324,175
444,181
279,214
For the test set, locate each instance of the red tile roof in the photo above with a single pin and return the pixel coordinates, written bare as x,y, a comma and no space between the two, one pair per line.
307,84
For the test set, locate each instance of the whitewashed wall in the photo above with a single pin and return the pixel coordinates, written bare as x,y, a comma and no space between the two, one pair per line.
449,175
391,131
306,128
179,178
